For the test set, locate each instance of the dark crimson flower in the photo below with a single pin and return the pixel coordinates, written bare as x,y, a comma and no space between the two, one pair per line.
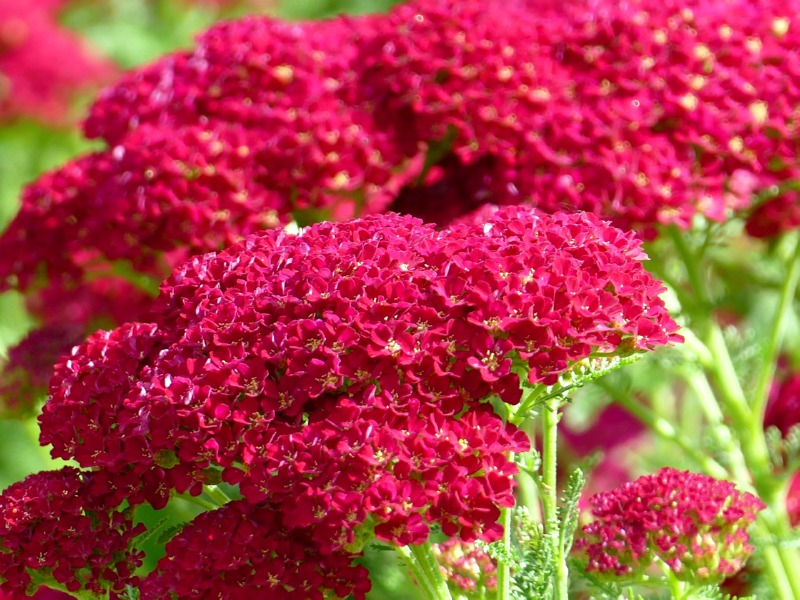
42,64
66,311
53,526
783,407
27,369
693,523
240,550
646,112
469,571
340,373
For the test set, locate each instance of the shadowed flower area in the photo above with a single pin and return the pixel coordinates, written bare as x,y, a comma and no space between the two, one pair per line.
53,524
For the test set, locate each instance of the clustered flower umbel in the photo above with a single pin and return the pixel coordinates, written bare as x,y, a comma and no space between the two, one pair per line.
340,378
54,524
646,113
468,570
694,524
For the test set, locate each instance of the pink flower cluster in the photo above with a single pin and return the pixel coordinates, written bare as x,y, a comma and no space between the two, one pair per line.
467,569
693,523
53,523
27,369
340,375
647,112
42,64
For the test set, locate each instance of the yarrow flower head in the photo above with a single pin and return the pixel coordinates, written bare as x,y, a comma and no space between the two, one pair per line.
53,524
694,524
247,550
341,374
468,570
25,372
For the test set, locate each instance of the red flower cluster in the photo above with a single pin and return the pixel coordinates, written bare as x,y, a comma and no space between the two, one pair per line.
695,524
52,523
341,373
467,569
42,64
241,550
783,408
65,312
647,112
27,369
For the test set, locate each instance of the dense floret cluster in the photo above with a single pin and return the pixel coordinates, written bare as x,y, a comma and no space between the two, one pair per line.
53,523
468,570
694,524
646,113
247,550
341,374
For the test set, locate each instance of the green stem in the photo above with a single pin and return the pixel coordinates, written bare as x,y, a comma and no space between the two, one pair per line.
552,526
197,501
721,433
776,562
775,339
665,430
425,570
219,497
503,568
782,563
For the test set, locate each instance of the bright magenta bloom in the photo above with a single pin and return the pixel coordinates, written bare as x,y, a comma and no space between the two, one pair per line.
340,373
693,523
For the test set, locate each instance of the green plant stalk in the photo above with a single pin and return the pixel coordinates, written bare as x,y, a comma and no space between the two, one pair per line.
783,564
550,417
704,394
219,497
775,339
665,430
425,570
503,568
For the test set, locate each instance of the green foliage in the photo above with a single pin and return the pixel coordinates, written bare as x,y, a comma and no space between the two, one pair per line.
784,451
568,512
532,562
582,373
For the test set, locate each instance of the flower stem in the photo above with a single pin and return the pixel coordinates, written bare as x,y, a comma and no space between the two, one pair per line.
665,430
425,570
552,526
503,568
219,497
775,339
782,563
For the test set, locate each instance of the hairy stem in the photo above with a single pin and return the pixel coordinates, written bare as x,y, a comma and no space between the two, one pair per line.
503,568
775,339
550,416
425,570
